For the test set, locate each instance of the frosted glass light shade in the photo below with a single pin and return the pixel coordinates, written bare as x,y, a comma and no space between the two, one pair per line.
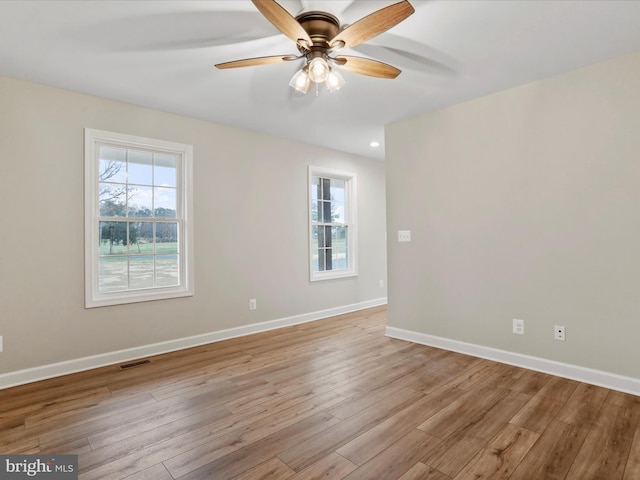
300,81
334,81
318,69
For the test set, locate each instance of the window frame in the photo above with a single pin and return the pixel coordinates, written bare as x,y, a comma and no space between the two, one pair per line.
93,139
350,222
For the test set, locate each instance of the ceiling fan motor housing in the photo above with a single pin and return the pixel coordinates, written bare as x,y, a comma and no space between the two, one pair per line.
321,27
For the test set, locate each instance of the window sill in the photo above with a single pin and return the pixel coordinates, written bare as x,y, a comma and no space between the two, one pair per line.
123,298
320,276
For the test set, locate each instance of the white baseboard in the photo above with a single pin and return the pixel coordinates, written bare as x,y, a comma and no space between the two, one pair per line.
565,370
43,372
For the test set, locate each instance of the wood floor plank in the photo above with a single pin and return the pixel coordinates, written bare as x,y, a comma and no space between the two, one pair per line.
397,459
305,453
530,382
632,469
156,472
553,454
254,431
273,469
420,471
193,448
110,413
365,399
373,441
241,460
463,444
501,456
544,406
23,446
605,451
334,398
331,467
583,406
461,411
152,421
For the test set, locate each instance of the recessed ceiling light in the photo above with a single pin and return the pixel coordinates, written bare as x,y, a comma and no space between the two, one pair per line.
374,144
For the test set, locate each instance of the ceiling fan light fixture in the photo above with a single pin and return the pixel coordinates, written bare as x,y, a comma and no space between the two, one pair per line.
300,81
334,81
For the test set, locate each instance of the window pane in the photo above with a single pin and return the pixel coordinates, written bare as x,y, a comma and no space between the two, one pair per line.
337,189
140,167
166,237
328,240
314,247
113,165
337,212
326,189
141,238
140,201
113,274
326,212
113,238
141,271
165,172
165,202
315,188
167,271
339,253
112,200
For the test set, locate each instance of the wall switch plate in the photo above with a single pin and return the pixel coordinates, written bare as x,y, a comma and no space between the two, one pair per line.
0,343
518,326
404,235
559,333
253,304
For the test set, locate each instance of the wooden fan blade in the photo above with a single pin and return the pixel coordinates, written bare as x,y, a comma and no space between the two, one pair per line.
366,66
283,21
252,62
372,25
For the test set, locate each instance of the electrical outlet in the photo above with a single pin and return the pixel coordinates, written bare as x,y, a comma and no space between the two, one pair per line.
253,304
404,235
381,283
0,343
559,333
518,326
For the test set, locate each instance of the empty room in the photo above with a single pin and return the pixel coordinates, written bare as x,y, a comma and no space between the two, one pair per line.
320,239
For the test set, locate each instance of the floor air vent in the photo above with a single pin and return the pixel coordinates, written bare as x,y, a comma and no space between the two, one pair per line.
134,364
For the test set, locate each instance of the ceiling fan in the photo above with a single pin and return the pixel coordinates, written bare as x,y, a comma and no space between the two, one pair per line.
319,35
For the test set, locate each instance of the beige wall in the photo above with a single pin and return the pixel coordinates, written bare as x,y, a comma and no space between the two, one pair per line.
524,204
250,229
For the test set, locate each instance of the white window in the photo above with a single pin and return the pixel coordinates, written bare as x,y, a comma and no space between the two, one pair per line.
138,205
332,224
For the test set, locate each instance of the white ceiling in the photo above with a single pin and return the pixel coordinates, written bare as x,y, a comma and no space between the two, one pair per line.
160,54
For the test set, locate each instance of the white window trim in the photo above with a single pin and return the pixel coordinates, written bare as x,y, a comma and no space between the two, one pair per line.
95,298
352,223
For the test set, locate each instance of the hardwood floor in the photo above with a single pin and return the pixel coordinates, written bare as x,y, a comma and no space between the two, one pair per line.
332,399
